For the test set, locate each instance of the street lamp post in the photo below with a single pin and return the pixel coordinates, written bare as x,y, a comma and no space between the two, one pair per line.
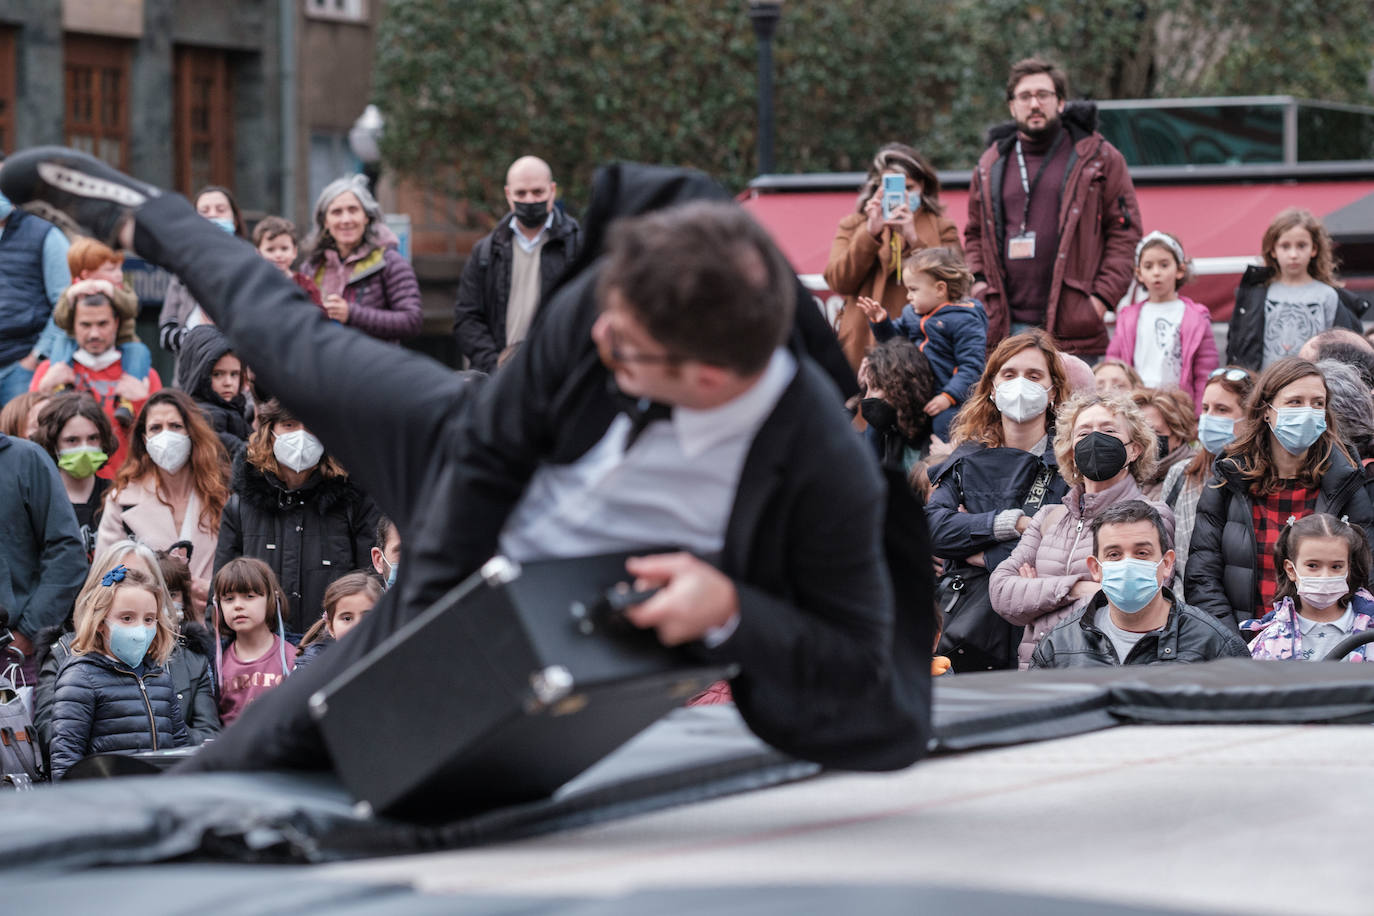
764,14
363,139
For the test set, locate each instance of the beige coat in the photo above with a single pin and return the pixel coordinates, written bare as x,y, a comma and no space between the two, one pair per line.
861,265
136,512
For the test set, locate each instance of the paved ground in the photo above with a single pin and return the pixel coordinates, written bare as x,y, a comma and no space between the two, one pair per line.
1253,819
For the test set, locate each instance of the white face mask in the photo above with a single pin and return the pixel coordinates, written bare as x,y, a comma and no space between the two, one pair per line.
1021,399
170,450
1321,592
298,450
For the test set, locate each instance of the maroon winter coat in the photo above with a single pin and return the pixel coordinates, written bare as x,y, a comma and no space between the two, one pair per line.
1099,226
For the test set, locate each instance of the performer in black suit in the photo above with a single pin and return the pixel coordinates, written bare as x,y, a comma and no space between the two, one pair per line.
692,307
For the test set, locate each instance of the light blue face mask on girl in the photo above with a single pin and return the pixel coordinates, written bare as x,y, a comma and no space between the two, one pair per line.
226,224
130,643
1215,433
1297,428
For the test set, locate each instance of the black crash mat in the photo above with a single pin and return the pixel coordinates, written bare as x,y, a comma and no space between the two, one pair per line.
246,891
690,755
1009,707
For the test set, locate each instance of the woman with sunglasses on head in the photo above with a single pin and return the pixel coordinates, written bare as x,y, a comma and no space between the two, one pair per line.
1286,462
866,256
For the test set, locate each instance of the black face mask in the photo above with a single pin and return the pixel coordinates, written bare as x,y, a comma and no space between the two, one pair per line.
878,413
1163,446
1099,456
532,213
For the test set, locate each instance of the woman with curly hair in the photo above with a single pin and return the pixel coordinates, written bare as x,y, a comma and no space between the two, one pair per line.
898,381
1287,461
294,508
1105,450
867,254
171,486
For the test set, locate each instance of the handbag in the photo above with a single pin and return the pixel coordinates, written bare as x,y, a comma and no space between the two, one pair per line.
975,637
19,757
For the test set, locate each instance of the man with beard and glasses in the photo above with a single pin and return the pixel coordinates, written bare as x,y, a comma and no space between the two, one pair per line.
511,270
1052,217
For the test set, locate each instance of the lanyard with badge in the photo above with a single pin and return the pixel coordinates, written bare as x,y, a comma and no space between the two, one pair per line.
1021,247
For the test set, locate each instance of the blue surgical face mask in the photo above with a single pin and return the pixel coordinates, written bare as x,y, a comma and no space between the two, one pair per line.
130,643
226,224
5,207
391,573
913,201
1215,433
1130,584
1297,428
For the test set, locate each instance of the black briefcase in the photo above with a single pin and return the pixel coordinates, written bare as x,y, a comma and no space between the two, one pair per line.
509,686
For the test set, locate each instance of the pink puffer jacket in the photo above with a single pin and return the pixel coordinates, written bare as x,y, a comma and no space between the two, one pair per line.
1057,545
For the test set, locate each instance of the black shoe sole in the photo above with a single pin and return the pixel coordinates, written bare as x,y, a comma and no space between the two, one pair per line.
74,190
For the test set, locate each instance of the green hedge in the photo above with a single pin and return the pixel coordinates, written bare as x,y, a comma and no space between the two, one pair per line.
468,85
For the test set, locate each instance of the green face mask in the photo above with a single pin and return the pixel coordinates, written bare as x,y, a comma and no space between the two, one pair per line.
81,462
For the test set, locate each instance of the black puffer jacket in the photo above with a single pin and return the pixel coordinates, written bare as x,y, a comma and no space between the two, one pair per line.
309,537
984,481
191,668
201,348
1220,577
100,706
1245,339
1189,635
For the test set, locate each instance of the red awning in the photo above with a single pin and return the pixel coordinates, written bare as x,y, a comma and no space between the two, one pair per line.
1212,221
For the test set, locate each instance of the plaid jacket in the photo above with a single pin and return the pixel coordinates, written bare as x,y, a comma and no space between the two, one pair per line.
1271,513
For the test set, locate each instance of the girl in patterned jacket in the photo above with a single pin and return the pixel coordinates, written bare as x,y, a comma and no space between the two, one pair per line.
1321,562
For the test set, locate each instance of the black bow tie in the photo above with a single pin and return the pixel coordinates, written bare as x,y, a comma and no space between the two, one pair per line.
642,412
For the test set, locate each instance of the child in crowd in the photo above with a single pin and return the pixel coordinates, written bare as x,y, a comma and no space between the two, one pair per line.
114,693
949,329
212,374
346,602
92,260
1168,337
247,601
386,551
1116,375
1321,562
275,239
1291,298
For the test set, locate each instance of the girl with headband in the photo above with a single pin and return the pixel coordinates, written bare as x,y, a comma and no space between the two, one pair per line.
1167,338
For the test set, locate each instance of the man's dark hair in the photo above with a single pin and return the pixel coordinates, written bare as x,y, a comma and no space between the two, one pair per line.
1353,355
1031,66
383,530
1132,510
706,281
95,299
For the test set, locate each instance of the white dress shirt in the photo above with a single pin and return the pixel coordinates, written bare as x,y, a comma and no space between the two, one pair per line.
674,487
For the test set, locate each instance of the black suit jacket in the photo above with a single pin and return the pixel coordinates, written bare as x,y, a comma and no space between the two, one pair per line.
448,459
